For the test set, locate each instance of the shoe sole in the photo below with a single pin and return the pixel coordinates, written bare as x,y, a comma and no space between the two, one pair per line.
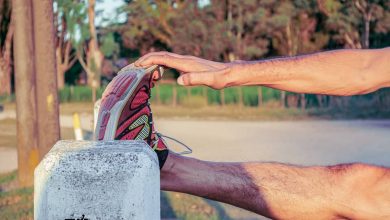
108,120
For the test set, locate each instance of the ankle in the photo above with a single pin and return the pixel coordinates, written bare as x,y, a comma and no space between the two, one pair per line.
169,164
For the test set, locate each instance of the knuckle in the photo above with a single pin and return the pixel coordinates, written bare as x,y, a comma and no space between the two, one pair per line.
224,78
190,79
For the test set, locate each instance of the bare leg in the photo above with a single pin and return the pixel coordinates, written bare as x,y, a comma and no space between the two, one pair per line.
283,191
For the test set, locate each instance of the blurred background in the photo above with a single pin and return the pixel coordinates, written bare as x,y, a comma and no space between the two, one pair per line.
93,39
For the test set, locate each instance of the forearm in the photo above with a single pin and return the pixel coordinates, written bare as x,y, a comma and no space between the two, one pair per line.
341,72
283,191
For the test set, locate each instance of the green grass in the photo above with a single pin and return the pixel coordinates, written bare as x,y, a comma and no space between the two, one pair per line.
8,177
15,203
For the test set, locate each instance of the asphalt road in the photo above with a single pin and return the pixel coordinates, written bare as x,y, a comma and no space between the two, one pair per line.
294,142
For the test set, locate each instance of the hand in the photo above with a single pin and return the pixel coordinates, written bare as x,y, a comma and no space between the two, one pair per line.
194,71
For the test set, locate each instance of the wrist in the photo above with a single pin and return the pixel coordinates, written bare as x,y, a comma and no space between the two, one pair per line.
236,74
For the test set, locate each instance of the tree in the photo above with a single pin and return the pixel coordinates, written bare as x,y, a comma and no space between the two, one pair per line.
27,133
353,20
78,40
66,17
148,26
294,28
246,21
46,76
220,30
91,52
6,35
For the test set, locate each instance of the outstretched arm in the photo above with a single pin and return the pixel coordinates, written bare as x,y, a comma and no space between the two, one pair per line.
279,191
339,72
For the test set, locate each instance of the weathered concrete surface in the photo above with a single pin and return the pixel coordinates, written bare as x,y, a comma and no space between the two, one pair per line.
98,180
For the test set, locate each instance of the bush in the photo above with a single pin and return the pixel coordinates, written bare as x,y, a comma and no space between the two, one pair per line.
78,94
7,98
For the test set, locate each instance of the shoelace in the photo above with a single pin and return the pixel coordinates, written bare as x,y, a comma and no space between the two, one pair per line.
161,136
188,149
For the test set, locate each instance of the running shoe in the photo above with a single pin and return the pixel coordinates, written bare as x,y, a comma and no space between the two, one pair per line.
125,112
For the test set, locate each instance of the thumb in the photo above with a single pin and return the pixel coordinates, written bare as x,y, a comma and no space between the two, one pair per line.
201,78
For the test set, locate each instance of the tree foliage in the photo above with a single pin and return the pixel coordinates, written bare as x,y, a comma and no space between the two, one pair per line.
221,30
6,35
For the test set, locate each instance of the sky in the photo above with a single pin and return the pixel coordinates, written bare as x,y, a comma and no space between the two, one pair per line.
108,11
109,7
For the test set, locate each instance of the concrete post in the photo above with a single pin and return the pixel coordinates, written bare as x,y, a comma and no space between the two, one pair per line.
98,180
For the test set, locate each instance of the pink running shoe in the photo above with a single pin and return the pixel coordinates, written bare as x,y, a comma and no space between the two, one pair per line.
125,112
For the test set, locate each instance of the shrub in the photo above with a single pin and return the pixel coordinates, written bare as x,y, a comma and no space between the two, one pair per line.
78,94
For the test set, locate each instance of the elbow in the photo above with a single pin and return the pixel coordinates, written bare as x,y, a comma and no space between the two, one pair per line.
365,192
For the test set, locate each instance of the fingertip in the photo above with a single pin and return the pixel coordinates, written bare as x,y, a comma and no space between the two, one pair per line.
139,62
143,63
180,81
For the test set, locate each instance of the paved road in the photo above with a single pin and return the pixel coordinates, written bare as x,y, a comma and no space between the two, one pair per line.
295,142
8,160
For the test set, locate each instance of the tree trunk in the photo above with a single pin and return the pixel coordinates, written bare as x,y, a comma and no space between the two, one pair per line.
60,75
290,52
259,96
5,77
5,62
366,42
366,10
283,98
62,66
222,97
303,101
158,100
63,52
94,55
27,135
46,76
174,96
240,97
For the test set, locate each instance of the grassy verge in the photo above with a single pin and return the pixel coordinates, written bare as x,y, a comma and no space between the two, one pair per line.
15,203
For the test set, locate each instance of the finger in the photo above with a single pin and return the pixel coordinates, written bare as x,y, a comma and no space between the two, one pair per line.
182,63
160,53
